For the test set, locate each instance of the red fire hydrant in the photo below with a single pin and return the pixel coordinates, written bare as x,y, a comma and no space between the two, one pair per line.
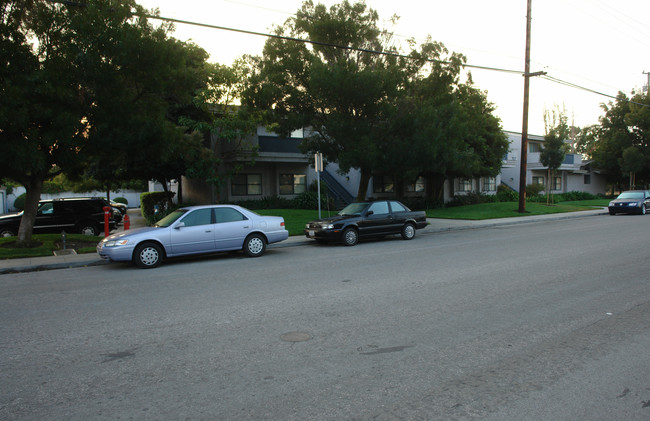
107,215
127,222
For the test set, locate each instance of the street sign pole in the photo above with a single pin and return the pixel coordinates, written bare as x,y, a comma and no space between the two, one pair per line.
318,164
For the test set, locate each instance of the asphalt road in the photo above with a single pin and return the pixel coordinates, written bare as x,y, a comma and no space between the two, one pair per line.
544,321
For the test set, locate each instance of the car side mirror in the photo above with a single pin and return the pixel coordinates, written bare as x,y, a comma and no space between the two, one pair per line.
370,213
180,225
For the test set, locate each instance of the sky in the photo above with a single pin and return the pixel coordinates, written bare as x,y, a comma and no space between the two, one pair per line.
601,45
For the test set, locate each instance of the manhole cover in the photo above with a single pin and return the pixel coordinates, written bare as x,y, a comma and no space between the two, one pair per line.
295,337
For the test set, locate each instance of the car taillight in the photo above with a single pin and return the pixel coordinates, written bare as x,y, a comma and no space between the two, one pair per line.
282,223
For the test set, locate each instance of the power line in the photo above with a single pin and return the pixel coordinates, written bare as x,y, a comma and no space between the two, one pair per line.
573,85
325,44
345,47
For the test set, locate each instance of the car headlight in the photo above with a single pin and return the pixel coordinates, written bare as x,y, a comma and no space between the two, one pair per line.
115,243
633,204
327,226
611,203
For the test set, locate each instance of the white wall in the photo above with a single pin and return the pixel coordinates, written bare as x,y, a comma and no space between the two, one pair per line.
3,201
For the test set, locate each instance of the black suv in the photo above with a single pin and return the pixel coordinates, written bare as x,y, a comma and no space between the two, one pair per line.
80,215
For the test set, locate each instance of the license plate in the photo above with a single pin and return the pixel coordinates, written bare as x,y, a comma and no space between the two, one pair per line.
311,233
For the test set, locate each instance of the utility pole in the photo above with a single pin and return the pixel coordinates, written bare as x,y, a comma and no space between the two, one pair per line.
647,87
524,126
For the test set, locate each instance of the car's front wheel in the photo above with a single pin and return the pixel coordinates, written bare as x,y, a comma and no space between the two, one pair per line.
7,232
350,237
254,245
643,209
611,212
148,255
88,228
408,231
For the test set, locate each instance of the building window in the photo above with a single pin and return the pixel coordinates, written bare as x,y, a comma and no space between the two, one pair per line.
383,184
534,147
293,183
465,185
587,178
538,180
246,185
557,183
417,187
489,184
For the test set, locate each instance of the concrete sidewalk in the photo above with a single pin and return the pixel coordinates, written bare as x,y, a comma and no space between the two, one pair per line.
435,226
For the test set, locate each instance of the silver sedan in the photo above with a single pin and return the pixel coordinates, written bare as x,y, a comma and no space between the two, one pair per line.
195,230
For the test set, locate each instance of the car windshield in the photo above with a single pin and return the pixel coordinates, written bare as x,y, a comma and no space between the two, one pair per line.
353,209
630,195
171,218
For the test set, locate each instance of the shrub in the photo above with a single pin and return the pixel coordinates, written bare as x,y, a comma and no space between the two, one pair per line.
121,200
309,200
150,201
577,195
470,198
268,202
533,190
506,194
19,203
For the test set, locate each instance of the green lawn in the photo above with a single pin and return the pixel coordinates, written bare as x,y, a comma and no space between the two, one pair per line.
45,244
510,209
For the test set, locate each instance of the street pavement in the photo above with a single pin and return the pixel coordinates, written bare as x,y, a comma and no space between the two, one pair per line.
436,225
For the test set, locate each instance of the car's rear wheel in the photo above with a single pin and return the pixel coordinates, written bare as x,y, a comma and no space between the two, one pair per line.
408,231
148,255
254,245
350,237
6,232
88,228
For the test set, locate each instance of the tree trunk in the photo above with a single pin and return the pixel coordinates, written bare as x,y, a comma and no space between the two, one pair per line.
364,181
170,203
399,187
179,197
435,188
33,191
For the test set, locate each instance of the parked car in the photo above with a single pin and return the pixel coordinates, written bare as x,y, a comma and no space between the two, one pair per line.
632,201
367,219
194,230
80,215
123,208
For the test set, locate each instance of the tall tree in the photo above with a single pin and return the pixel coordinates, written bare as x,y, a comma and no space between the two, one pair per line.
91,83
625,125
555,147
41,124
336,86
404,115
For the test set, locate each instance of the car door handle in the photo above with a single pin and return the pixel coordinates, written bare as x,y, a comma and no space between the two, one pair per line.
245,226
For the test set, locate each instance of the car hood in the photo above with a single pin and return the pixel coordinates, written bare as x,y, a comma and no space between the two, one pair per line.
11,216
135,232
336,218
626,201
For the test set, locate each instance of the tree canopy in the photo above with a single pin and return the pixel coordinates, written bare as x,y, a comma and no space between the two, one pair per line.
620,145
370,105
92,89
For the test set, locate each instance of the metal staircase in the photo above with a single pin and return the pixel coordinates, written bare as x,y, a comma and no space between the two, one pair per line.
341,196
